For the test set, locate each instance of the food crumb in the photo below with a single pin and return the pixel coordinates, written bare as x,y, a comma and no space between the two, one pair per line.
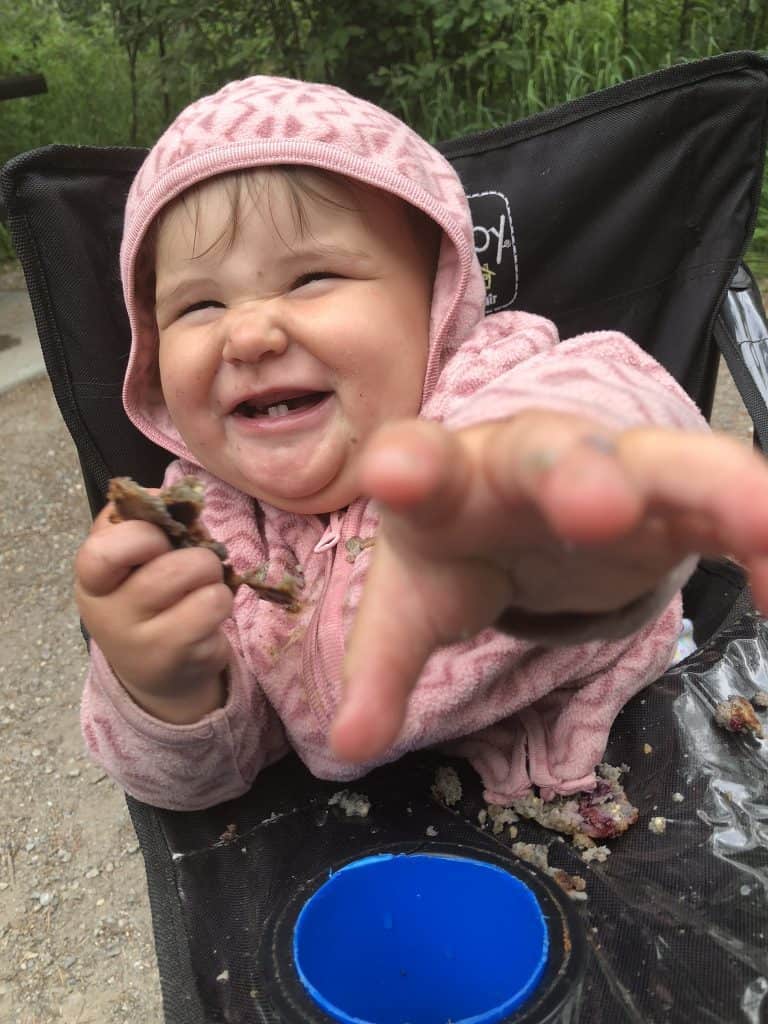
447,786
501,816
657,825
228,835
678,798
354,805
736,714
431,831
647,748
538,855
224,976
532,853
482,817
573,885
582,842
513,831
598,853
603,813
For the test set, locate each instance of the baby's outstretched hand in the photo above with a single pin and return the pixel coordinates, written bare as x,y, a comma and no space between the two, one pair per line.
156,614
543,514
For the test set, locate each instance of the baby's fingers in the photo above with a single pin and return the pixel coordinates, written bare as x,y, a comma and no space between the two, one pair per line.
389,644
710,479
112,551
167,579
193,621
417,467
179,649
410,606
569,470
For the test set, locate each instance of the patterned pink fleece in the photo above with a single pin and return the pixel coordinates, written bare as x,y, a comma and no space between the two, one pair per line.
522,712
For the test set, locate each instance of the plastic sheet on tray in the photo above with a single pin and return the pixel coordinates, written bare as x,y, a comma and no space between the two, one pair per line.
675,922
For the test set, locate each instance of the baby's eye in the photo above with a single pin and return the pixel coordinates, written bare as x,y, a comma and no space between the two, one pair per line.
317,275
203,304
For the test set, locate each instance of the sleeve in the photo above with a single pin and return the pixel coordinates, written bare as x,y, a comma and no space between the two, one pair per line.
603,375
180,767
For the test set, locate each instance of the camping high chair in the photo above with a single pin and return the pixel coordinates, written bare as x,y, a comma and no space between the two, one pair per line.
628,209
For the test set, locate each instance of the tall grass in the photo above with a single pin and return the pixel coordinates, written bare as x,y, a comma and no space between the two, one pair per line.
578,49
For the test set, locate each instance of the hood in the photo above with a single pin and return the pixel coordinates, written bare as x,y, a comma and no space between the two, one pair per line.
264,120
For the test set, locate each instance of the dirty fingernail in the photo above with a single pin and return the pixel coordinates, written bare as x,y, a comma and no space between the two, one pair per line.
540,461
600,443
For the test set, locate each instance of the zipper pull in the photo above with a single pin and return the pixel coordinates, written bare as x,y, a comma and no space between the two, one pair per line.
331,535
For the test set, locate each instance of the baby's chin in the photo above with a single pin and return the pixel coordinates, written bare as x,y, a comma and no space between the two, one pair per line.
331,497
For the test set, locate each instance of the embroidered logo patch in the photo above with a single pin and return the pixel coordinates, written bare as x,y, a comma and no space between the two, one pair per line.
495,246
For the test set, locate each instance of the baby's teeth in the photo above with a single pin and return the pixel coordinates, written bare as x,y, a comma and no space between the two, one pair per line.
278,410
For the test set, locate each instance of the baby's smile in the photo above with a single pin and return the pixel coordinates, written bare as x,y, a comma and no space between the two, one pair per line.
280,406
303,412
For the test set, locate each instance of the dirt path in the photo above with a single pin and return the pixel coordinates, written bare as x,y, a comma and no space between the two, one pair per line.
75,936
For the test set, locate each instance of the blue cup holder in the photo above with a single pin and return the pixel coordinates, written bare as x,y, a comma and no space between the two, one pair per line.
421,939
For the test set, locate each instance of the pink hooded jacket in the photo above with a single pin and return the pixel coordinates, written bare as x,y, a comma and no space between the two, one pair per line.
525,712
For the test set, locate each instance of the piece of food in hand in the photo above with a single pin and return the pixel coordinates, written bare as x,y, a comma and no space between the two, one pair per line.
736,714
177,511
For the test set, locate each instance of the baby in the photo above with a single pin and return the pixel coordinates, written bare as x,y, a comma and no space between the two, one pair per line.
491,526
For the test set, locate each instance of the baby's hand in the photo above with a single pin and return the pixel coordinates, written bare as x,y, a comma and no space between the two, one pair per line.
156,614
540,515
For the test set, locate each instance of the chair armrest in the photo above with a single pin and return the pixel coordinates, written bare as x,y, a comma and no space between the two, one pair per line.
741,332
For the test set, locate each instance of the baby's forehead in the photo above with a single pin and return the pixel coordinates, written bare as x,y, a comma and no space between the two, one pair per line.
296,202
271,190
288,199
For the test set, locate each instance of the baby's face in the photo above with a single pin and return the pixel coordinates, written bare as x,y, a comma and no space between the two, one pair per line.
280,355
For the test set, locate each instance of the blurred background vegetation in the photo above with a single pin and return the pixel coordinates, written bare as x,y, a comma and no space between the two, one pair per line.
119,70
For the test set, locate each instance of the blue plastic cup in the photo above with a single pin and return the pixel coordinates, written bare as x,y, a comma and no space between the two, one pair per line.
421,939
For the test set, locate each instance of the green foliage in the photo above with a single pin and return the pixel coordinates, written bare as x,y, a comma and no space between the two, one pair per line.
119,70
6,245
87,96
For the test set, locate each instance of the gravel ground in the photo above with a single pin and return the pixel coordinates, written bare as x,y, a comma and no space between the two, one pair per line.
75,934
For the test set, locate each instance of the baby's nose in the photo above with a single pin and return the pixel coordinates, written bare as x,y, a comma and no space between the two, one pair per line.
252,331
